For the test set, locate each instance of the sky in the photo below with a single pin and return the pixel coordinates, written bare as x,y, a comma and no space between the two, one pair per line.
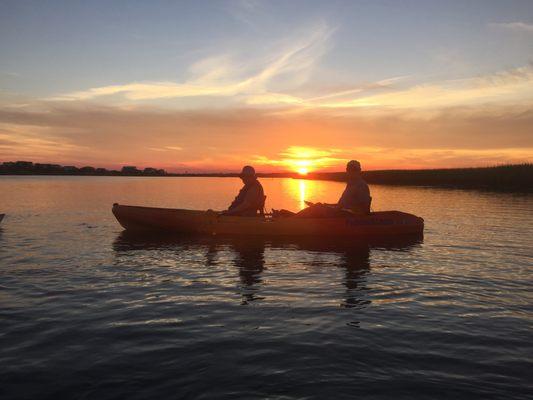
282,85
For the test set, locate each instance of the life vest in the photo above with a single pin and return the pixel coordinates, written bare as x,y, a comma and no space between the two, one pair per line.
260,202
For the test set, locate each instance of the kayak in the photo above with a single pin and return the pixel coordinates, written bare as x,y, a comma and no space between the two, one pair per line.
381,223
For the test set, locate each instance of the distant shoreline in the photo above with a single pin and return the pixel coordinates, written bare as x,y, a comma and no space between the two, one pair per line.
510,178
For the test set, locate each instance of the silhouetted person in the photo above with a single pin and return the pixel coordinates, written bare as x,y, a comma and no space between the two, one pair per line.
356,195
251,198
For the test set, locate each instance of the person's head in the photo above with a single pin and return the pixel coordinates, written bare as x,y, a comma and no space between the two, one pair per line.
353,168
247,174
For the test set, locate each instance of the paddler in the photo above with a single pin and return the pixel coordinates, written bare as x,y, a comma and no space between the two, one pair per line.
251,198
356,195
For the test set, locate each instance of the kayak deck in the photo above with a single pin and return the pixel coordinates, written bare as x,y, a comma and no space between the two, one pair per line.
381,223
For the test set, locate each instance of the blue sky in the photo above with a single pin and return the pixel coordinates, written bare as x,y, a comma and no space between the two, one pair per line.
358,59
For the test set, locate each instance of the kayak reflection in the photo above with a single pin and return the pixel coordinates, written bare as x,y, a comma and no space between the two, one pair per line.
356,264
250,262
249,257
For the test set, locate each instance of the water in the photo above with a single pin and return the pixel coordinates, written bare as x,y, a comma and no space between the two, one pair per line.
90,312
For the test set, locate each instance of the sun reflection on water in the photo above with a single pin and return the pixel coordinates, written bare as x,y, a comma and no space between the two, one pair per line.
302,188
295,192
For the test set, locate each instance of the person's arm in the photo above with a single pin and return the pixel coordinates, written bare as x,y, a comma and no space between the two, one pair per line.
247,204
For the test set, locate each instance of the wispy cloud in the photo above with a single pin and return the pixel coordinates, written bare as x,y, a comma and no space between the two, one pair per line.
222,76
513,86
382,84
38,143
244,11
277,78
514,26
10,74
166,148
510,86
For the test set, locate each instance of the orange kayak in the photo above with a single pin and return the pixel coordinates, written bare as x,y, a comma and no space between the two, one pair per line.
382,223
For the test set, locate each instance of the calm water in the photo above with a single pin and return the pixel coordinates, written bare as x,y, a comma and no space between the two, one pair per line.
92,313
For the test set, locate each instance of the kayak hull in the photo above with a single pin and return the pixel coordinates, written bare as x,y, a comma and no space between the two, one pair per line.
383,223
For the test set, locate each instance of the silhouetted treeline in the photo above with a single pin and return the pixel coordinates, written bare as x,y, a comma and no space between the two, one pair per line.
30,168
518,177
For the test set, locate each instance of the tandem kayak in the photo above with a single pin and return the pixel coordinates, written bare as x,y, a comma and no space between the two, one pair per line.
376,224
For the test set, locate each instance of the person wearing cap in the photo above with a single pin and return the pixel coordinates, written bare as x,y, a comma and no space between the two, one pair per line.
251,198
356,195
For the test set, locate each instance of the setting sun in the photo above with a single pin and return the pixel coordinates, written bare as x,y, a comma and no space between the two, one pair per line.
299,164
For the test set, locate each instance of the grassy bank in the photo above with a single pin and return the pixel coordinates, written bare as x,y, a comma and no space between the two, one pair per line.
517,177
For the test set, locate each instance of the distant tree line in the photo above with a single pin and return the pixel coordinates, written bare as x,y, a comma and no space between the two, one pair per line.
516,177
30,168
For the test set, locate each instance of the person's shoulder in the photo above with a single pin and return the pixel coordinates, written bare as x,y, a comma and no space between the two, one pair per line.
361,185
258,184
256,187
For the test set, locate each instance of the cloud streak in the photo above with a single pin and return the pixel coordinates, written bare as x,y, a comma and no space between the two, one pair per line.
514,26
510,86
219,76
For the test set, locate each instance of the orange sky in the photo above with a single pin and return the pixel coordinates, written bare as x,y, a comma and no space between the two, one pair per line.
272,140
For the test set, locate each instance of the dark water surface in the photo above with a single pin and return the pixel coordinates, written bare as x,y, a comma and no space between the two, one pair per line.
89,312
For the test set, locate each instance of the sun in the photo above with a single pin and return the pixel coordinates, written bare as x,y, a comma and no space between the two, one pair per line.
301,166
303,170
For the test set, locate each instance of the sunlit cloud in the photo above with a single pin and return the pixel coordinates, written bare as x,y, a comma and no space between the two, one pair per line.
274,99
511,86
382,84
36,143
166,148
514,86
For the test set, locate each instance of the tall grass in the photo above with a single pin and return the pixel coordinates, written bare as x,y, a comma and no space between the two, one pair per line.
517,177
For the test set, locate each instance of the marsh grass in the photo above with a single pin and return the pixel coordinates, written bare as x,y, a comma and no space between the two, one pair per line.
516,177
